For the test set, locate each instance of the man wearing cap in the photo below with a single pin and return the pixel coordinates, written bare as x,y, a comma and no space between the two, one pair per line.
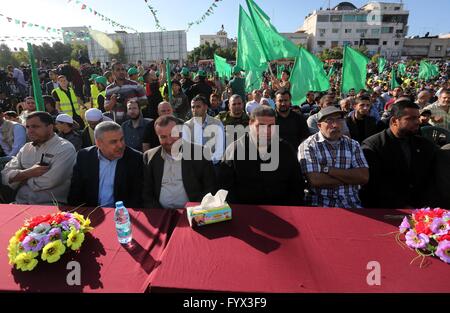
333,164
133,74
186,81
66,129
93,117
200,88
237,84
122,90
42,169
101,82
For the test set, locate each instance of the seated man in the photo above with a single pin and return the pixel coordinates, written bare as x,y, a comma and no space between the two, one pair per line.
93,118
173,175
134,127
401,162
359,122
334,164
12,138
107,172
42,169
261,168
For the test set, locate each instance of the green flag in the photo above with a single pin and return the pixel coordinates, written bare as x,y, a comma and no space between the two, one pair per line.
427,70
354,71
253,79
222,67
37,92
394,82
381,64
401,69
280,69
275,46
169,79
307,74
331,71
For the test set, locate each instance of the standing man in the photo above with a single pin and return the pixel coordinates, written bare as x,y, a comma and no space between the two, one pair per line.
107,172
42,169
237,84
333,164
134,127
440,110
66,100
200,88
292,125
122,90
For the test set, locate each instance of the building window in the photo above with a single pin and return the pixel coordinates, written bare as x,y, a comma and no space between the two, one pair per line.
335,31
336,18
323,18
349,18
321,43
322,30
356,43
361,31
361,18
375,31
348,30
396,43
384,43
387,30
438,48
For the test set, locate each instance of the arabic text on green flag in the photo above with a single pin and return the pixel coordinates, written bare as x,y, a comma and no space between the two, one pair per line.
307,74
394,83
354,71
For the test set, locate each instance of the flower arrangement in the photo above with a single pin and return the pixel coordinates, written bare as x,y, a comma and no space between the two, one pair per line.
427,231
47,236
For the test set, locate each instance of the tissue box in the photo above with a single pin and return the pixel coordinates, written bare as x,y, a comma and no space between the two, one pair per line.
197,216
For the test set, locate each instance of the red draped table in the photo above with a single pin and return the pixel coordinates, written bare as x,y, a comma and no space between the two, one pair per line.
105,265
295,249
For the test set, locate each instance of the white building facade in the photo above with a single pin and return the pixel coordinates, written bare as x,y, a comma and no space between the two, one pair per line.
380,26
148,47
220,39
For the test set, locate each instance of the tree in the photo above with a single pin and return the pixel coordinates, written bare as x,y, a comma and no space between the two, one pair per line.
333,53
76,48
203,52
6,56
21,56
119,56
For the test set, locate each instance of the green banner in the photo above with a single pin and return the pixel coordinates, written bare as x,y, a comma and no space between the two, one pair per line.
354,71
37,92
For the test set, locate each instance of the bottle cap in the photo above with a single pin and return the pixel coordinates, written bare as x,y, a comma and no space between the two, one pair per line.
119,204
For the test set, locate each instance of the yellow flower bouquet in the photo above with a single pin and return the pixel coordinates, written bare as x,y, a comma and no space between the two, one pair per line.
47,237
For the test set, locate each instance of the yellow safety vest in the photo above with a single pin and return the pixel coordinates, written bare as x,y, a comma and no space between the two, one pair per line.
102,93
64,101
94,95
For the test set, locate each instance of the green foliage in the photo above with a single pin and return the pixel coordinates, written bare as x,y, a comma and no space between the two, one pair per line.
6,56
206,52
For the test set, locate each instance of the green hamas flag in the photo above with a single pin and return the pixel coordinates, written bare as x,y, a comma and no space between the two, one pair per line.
381,64
427,70
354,71
37,92
401,69
275,46
250,54
394,82
280,69
307,74
169,79
222,67
331,71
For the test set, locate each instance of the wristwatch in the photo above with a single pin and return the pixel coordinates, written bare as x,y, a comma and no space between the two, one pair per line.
325,169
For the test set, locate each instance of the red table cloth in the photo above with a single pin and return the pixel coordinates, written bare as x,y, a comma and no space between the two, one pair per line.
106,266
295,249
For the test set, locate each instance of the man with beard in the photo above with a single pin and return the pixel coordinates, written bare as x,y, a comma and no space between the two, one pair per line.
293,127
333,164
107,172
401,163
133,128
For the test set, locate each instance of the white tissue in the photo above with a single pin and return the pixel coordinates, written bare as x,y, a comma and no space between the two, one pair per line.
209,201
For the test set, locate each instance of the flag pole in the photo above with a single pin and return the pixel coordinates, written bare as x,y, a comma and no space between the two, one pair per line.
37,92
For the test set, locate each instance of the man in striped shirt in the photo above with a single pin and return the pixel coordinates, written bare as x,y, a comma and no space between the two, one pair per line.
333,164
120,91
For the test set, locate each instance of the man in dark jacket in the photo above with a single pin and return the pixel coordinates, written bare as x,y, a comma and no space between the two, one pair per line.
360,124
107,172
175,174
254,175
401,163
200,88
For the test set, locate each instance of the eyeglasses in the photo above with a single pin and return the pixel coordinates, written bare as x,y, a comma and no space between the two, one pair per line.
333,120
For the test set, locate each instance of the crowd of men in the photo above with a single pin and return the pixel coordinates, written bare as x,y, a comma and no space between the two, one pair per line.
117,135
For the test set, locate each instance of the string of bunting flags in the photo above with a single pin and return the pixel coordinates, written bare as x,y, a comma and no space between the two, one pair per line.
155,17
48,29
208,12
100,15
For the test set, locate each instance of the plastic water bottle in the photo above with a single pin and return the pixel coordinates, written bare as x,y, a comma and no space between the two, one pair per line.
123,224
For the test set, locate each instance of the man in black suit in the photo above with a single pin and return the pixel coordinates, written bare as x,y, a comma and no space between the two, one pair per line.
177,171
53,83
401,163
107,172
